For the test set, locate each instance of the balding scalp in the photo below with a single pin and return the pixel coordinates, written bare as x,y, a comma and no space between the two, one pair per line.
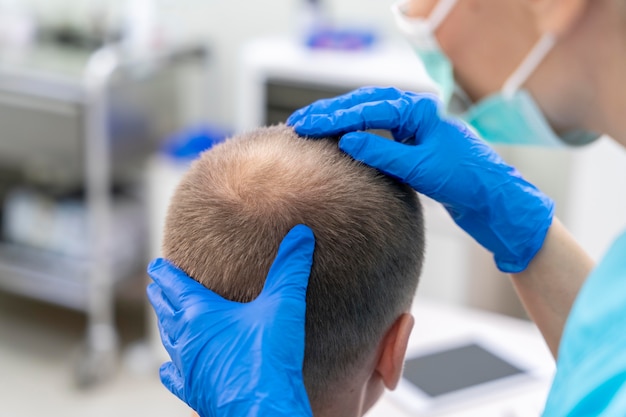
239,199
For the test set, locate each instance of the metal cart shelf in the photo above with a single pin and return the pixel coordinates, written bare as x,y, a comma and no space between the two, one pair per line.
95,115
46,276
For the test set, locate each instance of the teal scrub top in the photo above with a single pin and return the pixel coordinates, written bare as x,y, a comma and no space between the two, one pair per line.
591,367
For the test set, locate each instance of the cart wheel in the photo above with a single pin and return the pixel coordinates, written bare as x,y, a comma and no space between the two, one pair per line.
93,367
97,358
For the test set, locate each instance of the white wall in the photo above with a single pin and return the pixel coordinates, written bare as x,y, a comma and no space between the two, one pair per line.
226,25
597,198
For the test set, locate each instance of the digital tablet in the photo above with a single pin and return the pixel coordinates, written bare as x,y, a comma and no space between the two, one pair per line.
449,376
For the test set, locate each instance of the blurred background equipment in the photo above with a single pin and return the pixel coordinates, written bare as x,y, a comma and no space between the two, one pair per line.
79,116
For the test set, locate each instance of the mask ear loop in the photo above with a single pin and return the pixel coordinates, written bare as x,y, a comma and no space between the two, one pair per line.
422,29
440,12
528,65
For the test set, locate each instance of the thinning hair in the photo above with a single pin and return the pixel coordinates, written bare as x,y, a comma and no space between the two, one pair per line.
239,199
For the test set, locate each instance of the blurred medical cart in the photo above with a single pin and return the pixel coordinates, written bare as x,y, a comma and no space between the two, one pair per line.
86,120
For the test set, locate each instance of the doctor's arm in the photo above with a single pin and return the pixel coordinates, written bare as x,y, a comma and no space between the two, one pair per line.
550,284
489,199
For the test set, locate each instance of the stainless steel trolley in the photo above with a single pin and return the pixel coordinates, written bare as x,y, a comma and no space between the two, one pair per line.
73,109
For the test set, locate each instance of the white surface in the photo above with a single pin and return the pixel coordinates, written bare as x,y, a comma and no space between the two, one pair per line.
38,348
588,185
597,201
437,325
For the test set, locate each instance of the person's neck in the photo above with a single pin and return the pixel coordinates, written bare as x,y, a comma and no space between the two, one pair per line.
348,403
614,102
352,399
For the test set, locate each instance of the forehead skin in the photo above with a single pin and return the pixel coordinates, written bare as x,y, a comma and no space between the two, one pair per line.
485,40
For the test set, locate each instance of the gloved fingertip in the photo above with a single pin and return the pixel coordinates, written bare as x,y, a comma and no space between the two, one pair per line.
297,117
151,290
165,274
351,137
351,143
171,379
316,126
156,263
161,305
155,296
299,240
293,119
300,127
292,265
303,233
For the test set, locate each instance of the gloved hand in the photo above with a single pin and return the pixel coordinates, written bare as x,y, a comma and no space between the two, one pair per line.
442,159
237,359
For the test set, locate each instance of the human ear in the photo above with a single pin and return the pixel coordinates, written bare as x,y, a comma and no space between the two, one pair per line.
391,360
557,16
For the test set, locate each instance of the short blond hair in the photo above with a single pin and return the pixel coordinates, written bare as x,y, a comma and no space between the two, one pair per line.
238,200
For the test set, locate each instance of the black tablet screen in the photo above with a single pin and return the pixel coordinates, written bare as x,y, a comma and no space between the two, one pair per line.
451,370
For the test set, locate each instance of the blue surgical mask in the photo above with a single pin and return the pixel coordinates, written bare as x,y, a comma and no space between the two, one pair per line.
517,120
439,69
510,116
420,33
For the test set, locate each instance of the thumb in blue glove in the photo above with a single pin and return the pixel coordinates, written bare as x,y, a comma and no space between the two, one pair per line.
442,159
229,358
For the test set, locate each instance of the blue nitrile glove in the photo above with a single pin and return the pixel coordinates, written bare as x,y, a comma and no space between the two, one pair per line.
237,359
442,159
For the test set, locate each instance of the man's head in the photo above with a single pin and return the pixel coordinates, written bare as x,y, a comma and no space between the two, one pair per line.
237,202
